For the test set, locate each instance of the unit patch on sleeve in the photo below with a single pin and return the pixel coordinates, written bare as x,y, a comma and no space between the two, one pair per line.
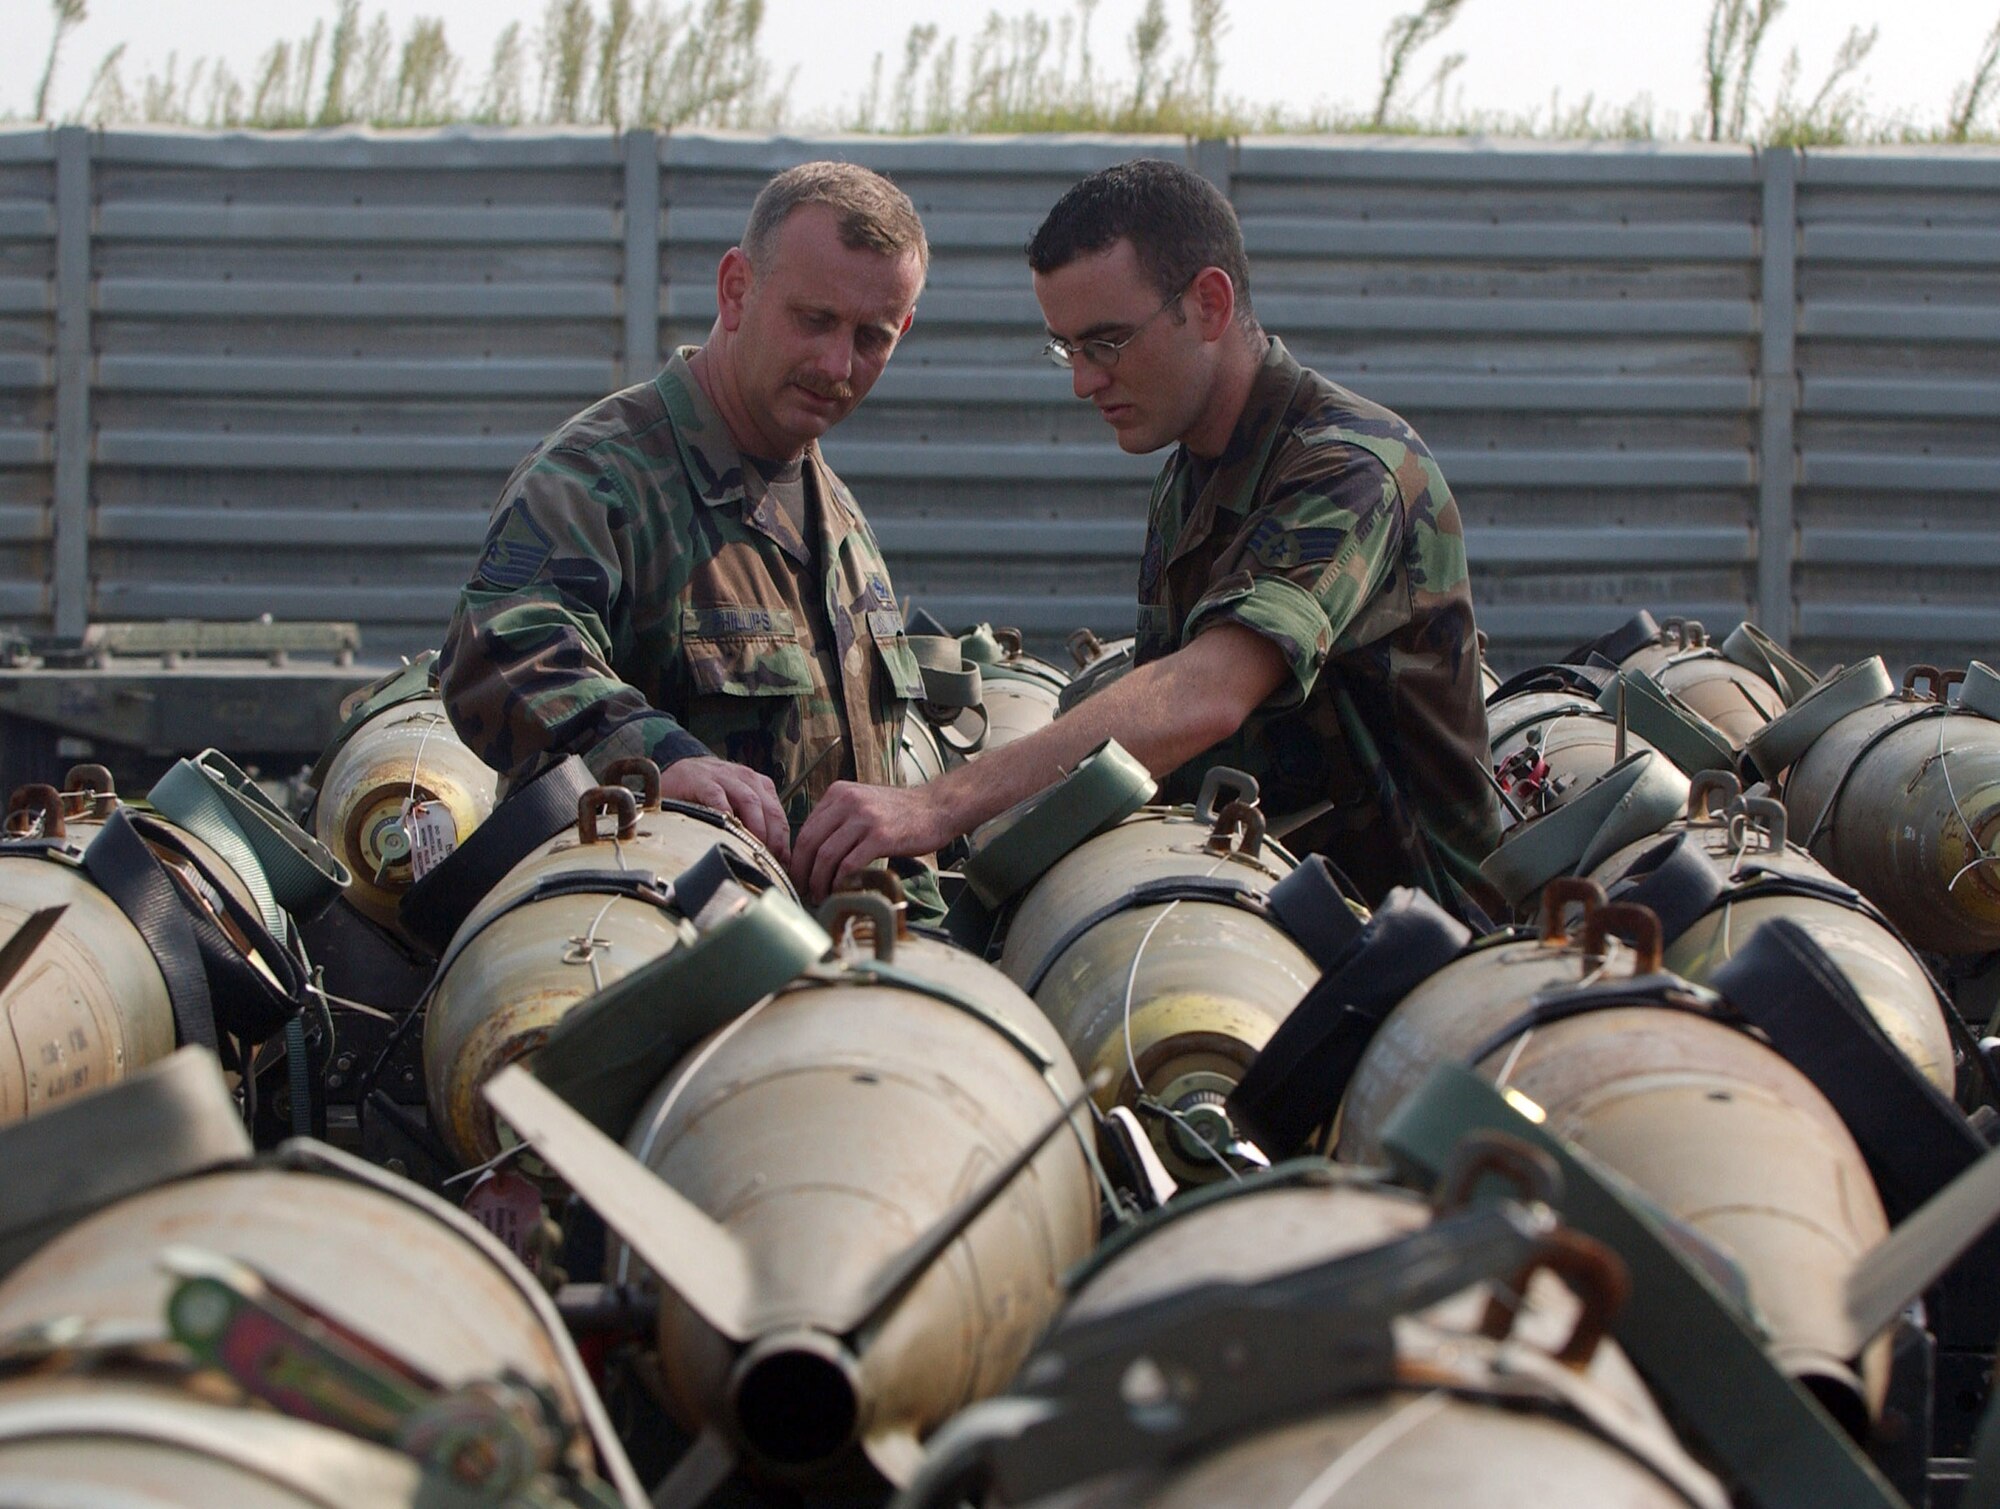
517,549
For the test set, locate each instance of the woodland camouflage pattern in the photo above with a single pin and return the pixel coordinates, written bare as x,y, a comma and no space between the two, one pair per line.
1326,527
636,598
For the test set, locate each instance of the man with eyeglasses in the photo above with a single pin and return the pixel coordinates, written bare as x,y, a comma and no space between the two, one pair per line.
1304,610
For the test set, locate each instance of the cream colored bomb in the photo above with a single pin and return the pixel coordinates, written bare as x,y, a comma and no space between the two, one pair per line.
1405,1437
549,935
1140,948
398,791
1715,1127
856,1197
1897,791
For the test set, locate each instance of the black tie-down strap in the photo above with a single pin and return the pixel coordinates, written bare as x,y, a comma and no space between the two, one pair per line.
437,905
1584,680
211,982
1630,637
1220,889
1296,1083
1676,881
1311,905
1914,1139
1658,992
135,880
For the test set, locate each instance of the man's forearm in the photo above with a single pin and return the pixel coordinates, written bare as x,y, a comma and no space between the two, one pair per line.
1165,713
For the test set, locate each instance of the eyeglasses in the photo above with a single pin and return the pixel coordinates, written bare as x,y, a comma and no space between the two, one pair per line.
1103,353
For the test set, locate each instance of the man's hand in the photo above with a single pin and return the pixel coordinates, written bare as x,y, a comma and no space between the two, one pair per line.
732,788
853,826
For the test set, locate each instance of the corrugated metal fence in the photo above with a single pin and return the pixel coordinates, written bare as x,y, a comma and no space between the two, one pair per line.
286,374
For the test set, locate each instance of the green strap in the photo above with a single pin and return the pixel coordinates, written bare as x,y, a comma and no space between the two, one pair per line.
1635,798
1669,724
610,1053
1776,747
950,680
1699,1350
1021,846
981,645
286,869
407,683
1754,650
1981,691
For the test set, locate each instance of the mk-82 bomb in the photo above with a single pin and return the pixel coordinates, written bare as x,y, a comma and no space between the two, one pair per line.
1099,662
1632,800
574,915
304,1330
1898,793
982,690
132,929
1151,945
1736,687
856,1183
1023,692
1558,728
397,789
1198,1364
1630,1065
1716,877
1551,738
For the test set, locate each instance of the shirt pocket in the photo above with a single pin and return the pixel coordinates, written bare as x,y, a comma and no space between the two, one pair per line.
744,652
899,661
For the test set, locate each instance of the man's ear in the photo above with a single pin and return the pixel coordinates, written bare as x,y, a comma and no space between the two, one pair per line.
733,278
1214,302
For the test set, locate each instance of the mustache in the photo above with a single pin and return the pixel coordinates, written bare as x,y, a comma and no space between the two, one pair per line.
838,392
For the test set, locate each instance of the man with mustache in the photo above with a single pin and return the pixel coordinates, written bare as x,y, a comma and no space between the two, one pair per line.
1304,610
677,573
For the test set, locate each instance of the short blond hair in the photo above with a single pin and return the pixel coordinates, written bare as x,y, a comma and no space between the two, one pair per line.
874,215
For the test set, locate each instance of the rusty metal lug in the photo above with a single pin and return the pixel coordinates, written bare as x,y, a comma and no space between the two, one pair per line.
648,773
36,808
601,801
1557,898
1532,1172
1593,1272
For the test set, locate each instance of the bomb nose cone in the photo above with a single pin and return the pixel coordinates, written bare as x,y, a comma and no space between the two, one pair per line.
796,1397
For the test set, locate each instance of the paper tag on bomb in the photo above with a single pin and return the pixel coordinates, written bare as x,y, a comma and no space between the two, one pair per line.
509,1205
432,834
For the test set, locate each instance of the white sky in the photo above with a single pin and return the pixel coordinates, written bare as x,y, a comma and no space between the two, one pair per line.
1520,53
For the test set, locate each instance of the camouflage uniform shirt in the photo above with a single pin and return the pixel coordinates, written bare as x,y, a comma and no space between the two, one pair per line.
639,594
1325,527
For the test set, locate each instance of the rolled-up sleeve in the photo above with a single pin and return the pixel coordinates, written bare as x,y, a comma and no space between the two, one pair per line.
1306,562
526,671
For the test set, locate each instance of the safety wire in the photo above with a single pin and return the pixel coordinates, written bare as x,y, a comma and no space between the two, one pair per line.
431,721
1145,1101
1352,1462
513,1151
1589,977
1982,858
316,988
585,948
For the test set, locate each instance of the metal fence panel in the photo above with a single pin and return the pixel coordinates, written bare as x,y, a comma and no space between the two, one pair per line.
27,375
318,356
287,373
1573,332
1899,450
